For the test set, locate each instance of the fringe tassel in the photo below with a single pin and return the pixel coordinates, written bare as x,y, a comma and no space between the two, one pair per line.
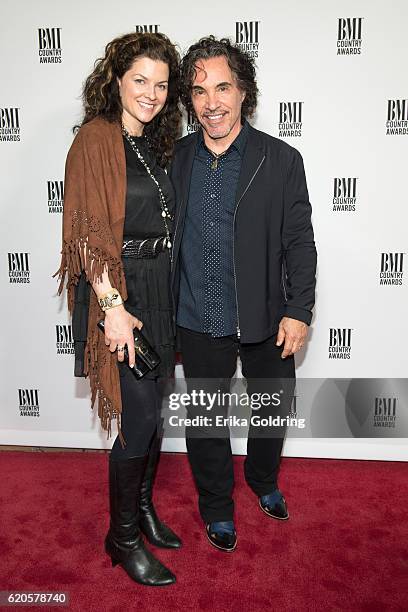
77,255
106,410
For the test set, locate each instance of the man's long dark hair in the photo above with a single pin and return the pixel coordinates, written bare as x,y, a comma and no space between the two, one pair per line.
240,63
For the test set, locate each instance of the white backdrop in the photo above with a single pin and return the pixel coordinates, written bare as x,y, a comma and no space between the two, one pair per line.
345,99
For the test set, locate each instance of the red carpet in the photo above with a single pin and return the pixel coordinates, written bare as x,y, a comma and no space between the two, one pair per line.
344,547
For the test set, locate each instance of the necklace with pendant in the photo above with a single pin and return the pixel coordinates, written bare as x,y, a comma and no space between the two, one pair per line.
214,163
165,213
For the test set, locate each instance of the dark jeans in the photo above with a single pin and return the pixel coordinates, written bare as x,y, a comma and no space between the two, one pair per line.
213,361
141,406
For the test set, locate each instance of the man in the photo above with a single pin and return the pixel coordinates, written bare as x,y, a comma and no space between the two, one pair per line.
243,268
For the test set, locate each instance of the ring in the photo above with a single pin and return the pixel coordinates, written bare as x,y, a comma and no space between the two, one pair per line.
120,349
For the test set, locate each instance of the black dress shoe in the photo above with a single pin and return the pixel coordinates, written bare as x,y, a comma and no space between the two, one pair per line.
221,539
274,505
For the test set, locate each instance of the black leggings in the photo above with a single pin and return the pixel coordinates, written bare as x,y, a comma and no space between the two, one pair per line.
141,403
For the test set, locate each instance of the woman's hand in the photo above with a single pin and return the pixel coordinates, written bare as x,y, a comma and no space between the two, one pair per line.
119,325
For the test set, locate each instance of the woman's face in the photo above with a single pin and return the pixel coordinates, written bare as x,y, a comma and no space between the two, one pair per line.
143,92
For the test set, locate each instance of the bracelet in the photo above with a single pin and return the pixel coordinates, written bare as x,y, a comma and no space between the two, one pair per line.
110,299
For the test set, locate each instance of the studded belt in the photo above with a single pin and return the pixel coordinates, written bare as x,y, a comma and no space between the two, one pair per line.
144,249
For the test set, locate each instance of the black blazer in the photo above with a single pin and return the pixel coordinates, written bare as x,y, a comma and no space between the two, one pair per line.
274,250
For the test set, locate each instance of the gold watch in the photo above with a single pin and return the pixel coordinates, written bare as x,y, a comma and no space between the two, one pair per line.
110,299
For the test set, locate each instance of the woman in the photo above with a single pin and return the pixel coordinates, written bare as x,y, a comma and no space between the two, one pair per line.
118,213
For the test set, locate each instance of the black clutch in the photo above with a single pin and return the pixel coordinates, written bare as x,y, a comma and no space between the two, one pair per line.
146,357
80,323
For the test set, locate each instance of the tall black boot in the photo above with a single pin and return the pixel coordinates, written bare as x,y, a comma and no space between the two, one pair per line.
124,542
157,532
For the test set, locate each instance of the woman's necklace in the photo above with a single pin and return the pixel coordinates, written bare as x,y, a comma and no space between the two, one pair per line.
165,213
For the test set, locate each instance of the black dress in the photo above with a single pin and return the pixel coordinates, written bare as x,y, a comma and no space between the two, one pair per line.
148,280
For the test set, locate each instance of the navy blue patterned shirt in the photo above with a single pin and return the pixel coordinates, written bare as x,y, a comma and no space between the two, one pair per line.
207,301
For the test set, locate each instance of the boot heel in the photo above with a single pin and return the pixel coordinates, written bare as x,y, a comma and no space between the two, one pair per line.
113,559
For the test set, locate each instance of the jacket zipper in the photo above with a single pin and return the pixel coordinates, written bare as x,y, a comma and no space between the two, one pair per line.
174,235
283,281
171,267
233,244
235,276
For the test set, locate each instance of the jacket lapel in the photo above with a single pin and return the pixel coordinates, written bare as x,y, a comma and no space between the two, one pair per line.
186,156
253,159
181,180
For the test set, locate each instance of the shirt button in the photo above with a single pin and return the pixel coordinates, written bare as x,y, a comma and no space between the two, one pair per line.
211,223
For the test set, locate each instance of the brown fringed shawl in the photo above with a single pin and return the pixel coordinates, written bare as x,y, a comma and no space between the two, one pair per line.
94,214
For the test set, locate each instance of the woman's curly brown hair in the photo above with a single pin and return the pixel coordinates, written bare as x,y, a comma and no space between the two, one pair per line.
240,63
101,91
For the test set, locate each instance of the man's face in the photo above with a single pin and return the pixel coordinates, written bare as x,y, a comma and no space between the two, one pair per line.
216,98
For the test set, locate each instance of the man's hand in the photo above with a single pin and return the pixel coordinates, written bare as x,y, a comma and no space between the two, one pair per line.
293,333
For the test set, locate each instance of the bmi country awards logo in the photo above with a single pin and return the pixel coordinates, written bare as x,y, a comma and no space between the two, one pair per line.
345,194
28,402
65,341
340,343
385,411
9,124
397,118
49,45
19,267
247,37
192,123
392,268
349,36
153,29
290,119
55,191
